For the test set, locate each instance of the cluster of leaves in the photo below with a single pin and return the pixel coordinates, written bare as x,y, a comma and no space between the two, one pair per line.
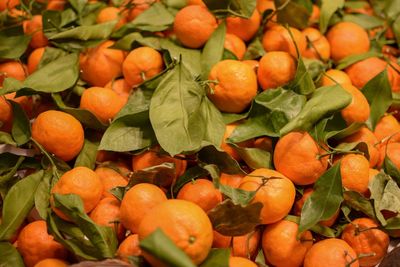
172,110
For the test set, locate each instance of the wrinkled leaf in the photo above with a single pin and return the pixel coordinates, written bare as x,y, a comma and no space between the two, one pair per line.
84,33
10,256
359,203
21,129
328,8
13,47
350,60
213,50
254,50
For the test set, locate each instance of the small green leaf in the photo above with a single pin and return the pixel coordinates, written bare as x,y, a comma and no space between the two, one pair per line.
377,188
391,169
163,248
10,256
324,201
213,50
302,83
359,203
255,158
42,195
87,156
350,60
365,21
135,40
8,173
85,33
224,8
13,47
217,257
379,95
328,8
237,195
254,50
21,129
225,163
18,203
6,138
293,13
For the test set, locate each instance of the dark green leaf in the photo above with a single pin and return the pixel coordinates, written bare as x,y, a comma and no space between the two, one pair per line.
254,50
213,50
102,237
328,8
228,55
324,201
163,248
324,101
224,162
302,83
391,169
6,138
9,255
230,219
8,173
314,67
13,47
356,147
293,13
84,33
379,95
134,40
224,8
255,158
87,156
217,257
359,203
350,60
42,195
21,129
50,54
18,203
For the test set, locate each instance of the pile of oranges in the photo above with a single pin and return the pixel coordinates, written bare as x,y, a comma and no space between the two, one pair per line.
88,173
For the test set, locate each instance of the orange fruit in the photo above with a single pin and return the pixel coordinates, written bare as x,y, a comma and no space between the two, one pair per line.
110,179
196,2
154,157
235,45
367,136
83,182
394,75
129,247
300,203
235,86
201,192
361,234
354,169
56,5
392,151
243,28
107,213
241,262
50,262
6,115
315,15
252,63
363,71
296,156
276,69
194,25
387,129
185,223
59,133
241,246
278,38
229,128
141,64
104,103
319,47
101,64
263,5
264,143
331,252
346,39
111,13
282,246
13,69
121,87
275,192
137,202
8,4
35,244
233,180
34,27
34,59
358,110
333,77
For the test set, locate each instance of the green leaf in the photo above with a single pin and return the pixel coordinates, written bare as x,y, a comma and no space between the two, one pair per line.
293,13
359,203
365,21
302,83
56,76
189,175
85,33
314,67
6,138
254,50
217,257
323,102
225,163
255,158
324,201
163,248
50,54
87,156
391,169
318,228
135,40
328,8
102,238
18,203
42,195
236,195
396,30
13,47
356,147
377,188
350,60
84,116
8,173
224,8
379,95
78,5
230,219
180,110
10,256
21,129
213,50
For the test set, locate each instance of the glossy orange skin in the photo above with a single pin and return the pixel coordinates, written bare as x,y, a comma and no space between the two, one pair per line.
8,4
141,64
185,223
296,157
243,28
13,69
330,252
110,179
35,244
129,247
229,128
333,77
392,151
51,262
346,39
277,194
104,103
34,27
387,129
235,88
235,45
111,13
232,180
194,25
367,241
241,246
358,110
59,133
320,48
137,202
34,59
277,38
282,246
80,181
241,262
121,87
276,69
354,169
